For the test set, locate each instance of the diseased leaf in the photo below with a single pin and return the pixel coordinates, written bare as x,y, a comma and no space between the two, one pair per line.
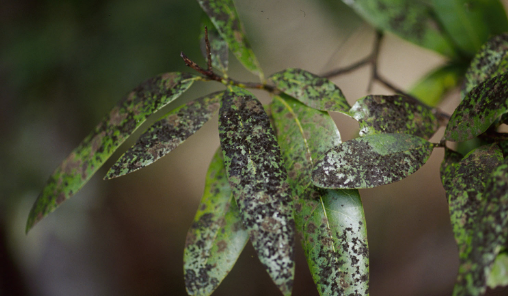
312,90
97,147
217,236
258,179
499,274
479,109
468,22
432,88
489,236
393,114
166,134
330,222
371,161
225,18
490,61
464,182
218,46
450,158
409,19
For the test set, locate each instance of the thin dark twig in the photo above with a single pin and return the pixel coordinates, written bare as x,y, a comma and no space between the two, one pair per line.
493,136
347,69
374,58
208,50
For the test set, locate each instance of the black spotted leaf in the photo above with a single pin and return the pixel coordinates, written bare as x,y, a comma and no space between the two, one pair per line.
312,90
167,134
489,236
224,16
258,179
217,235
470,23
218,46
499,274
97,147
432,88
330,222
371,161
393,114
409,19
490,61
482,106
464,182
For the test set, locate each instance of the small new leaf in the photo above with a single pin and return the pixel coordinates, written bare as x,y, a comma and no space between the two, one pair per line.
393,114
217,235
499,274
479,109
166,134
258,179
97,147
371,161
312,90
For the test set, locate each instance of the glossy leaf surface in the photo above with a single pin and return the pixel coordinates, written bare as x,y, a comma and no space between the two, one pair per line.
312,90
217,235
330,222
97,147
371,161
488,237
393,114
490,61
258,179
479,109
409,19
225,18
218,46
167,134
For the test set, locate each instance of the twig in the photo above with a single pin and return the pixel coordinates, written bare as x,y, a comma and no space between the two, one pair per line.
208,50
374,58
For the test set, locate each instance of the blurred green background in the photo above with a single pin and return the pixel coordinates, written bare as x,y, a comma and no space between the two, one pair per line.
64,64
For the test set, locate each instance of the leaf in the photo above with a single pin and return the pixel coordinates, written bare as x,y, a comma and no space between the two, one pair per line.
489,236
468,22
394,114
166,134
225,18
490,61
479,109
431,88
217,236
312,90
218,46
450,157
371,161
499,274
97,147
258,179
330,222
464,182
409,19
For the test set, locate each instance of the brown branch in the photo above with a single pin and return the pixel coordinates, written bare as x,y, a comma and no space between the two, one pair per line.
208,50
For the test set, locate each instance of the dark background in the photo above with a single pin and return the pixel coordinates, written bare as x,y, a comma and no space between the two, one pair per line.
64,64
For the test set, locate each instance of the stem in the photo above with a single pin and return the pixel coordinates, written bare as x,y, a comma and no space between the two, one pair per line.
208,51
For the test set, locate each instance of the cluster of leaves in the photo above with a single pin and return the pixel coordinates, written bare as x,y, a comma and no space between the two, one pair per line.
282,169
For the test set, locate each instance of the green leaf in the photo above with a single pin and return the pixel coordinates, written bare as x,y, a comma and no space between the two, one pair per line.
450,157
225,18
371,161
217,236
431,88
490,61
394,114
409,19
489,236
166,134
468,23
499,274
464,182
312,90
258,179
479,109
97,147
218,46
330,222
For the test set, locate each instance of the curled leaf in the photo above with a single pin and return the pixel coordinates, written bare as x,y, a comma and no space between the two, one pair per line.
393,114
217,235
97,147
312,90
258,179
166,134
371,161
218,46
